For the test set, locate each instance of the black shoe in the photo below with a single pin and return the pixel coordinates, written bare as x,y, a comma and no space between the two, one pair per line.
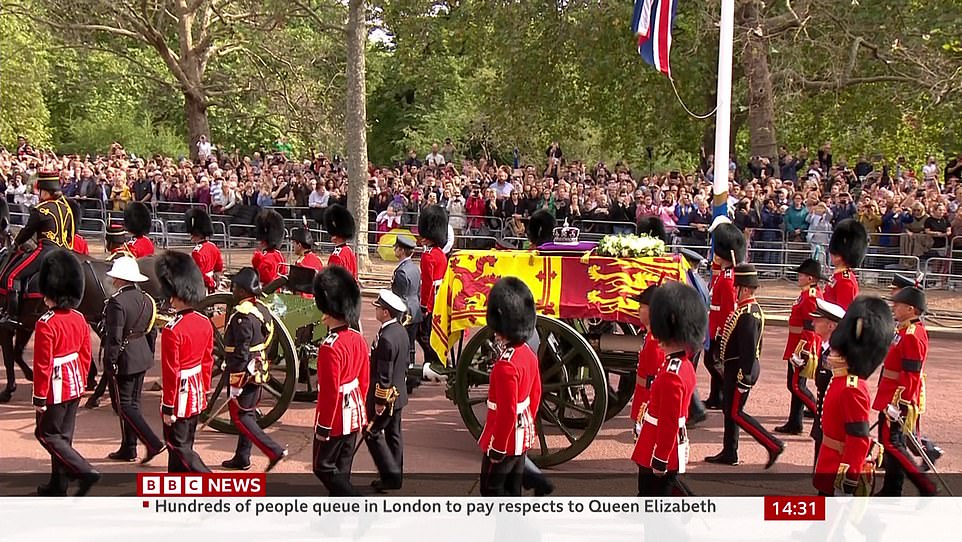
274,462
45,490
697,419
122,456
722,458
713,404
92,403
933,453
86,482
381,486
788,430
235,464
547,488
150,455
7,393
773,455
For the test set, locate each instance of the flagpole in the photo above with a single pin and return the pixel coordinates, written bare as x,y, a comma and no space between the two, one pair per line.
723,116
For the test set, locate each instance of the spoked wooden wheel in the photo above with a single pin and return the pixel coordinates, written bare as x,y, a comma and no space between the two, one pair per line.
276,394
574,390
620,368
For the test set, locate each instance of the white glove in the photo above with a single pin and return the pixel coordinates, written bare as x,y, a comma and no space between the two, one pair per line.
893,413
636,430
797,360
235,392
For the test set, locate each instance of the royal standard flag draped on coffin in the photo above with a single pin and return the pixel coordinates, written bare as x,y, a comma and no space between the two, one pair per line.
563,287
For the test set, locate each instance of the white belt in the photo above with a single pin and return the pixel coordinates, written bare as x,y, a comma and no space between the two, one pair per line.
57,362
187,373
654,421
715,307
520,406
349,387
209,274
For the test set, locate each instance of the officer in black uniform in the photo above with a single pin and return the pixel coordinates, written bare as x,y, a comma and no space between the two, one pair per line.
825,318
128,317
406,284
115,243
249,332
387,394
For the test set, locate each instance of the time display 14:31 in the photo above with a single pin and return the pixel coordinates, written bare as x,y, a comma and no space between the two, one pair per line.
794,508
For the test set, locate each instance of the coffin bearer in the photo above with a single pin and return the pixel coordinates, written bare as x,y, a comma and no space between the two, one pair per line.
406,284
825,318
128,317
541,227
304,249
514,392
339,223
802,348
900,399
858,345
650,359
678,323
388,394
186,356
269,231
847,250
729,249
61,356
741,343
433,229
248,334
137,223
343,375
205,254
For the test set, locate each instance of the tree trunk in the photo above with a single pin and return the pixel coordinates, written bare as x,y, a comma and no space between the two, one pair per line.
195,109
761,106
356,126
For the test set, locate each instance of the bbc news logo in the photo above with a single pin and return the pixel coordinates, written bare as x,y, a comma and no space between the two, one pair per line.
202,485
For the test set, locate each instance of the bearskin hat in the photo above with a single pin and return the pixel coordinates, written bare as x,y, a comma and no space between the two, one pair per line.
197,222
644,298
62,279
137,219
678,315
864,335
511,311
303,237
653,227
247,280
339,222
180,277
433,225
269,228
729,239
336,293
541,228
849,242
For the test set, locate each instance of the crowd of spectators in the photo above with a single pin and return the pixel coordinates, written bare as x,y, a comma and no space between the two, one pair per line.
798,199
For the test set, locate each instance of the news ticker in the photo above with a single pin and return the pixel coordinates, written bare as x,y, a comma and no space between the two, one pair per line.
426,519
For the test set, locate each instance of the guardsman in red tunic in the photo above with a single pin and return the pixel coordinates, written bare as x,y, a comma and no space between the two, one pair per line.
339,223
900,399
650,359
246,340
186,356
825,318
729,249
540,230
741,345
803,346
343,375
304,249
847,250
514,391
205,254
137,222
269,230
61,357
678,322
857,347
433,230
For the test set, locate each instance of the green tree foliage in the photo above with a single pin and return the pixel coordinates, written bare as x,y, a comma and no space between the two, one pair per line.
24,77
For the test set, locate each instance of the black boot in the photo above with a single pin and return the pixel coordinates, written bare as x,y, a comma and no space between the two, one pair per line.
7,393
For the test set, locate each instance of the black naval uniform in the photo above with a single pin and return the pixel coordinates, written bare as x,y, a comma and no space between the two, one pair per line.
248,333
128,318
389,359
406,283
823,377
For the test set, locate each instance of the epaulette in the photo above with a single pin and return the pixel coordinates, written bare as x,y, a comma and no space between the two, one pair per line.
728,272
330,340
674,365
813,291
174,321
851,381
46,316
337,251
846,274
910,330
507,354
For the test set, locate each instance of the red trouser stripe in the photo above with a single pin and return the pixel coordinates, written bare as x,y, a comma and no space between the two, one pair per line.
51,449
234,409
797,390
16,270
761,437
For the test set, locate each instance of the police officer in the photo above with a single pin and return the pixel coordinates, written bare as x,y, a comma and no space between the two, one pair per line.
128,317
248,334
741,343
846,249
343,375
186,356
205,254
388,396
729,249
825,318
406,284
339,223
61,354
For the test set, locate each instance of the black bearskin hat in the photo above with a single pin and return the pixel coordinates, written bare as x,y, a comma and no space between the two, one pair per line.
849,242
339,222
197,222
644,298
511,311
337,294
302,236
180,277
728,239
864,335
653,227
247,280
269,228
433,225
541,228
137,219
62,279
678,315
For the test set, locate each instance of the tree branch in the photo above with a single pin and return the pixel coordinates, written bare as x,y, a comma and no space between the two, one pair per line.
318,21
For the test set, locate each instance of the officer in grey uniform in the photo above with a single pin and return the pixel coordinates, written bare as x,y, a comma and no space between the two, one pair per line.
406,284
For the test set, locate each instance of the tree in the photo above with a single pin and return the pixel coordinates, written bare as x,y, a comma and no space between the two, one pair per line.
23,76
